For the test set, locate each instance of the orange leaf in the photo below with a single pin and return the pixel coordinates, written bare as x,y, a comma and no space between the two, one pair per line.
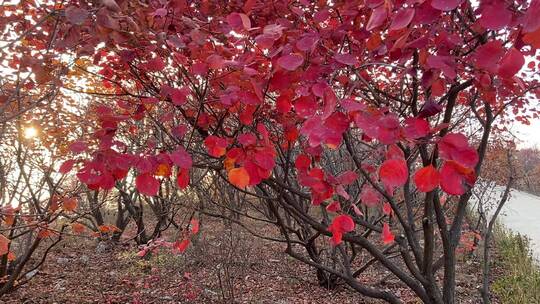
228,163
163,170
78,228
11,256
182,245
70,204
108,228
9,219
44,233
4,245
239,177
104,229
53,206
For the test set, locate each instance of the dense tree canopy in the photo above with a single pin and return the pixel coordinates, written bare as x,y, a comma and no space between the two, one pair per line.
360,125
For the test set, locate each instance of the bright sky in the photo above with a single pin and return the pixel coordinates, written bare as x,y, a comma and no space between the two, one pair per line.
528,135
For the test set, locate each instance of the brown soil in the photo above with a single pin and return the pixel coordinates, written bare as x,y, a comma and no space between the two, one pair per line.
226,265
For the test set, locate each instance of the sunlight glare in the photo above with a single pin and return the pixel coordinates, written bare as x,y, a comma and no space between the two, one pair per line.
30,132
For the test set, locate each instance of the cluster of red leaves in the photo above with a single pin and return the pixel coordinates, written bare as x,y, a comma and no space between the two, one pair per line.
280,77
178,247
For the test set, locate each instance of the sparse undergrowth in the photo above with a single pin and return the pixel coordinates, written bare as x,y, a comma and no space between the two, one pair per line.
519,281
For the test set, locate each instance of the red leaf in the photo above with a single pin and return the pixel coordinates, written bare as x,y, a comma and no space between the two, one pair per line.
78,147
334,206
4,245
343,223
511,63
78,228
394,152
246,139
346,59
283,103
305,106
455,146
444,63
216,146
182,178
182,245
455,178
402,19
377,18
302,162
495,16
340,225
179,96
160,12
307,42
487,55
155,64
76,15
194,223
387,209
531,21
394,172
445,5
147,184
416,128
387,236
69,204
369,196
388,129
427,179
111,5
347,177
239,21
66,166
181,158
239,177
429,109
290,62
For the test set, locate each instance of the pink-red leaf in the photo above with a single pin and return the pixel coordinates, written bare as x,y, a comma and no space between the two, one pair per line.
238,21
455,146
194,225
340,225
402,19
78,147
182,178
346,59
495,16
416,128
290,62
445,5
455,178
4,245
369,196
347,177
216,146
387,235
511,63
66,166
334,206
76,15
377,18
181,246
147,184
427,179
302,162
181,158
394,172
